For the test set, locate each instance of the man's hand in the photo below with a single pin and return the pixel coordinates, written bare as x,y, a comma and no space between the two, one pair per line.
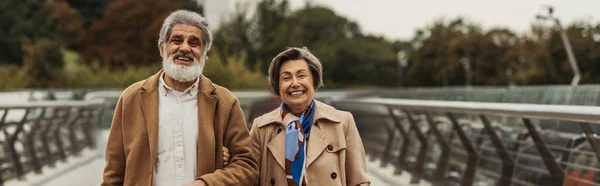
226,156
197,183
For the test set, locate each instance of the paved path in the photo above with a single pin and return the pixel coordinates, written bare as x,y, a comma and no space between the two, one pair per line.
87,170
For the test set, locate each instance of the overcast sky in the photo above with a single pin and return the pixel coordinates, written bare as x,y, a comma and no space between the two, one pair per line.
398,19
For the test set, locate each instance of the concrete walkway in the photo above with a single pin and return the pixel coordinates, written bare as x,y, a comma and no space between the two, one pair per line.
87,168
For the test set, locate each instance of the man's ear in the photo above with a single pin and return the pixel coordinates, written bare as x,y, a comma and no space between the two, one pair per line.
161,48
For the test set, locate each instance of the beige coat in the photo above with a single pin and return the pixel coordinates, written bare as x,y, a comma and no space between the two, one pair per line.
133,138
335,153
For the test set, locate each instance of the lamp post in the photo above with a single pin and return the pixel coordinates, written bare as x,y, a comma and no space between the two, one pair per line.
466,62
402,63
509,74
566,43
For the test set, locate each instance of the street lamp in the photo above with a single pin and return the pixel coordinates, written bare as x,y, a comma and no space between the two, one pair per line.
565,40
402,63
466,62
509,74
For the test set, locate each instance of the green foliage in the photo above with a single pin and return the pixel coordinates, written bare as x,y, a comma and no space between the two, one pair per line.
43,62
234,74
108,43
66,22
26,19
348,57
90,10
13,77
126,35
97,76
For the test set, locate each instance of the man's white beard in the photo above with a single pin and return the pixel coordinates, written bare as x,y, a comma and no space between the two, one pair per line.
183,73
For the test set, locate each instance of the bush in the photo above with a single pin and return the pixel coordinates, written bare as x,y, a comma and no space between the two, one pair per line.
233,74
13,77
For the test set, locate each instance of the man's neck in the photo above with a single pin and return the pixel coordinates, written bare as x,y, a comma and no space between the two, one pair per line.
177,85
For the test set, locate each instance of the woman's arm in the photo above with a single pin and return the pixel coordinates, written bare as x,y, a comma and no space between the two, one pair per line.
356,165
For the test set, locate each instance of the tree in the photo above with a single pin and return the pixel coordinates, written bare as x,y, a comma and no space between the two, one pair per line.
90,10
66,22
21,20
43,61
127,34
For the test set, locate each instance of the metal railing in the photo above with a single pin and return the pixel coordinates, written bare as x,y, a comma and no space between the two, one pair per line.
475,143
38,134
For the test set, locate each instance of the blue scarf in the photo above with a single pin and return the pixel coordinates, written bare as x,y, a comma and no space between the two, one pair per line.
296,134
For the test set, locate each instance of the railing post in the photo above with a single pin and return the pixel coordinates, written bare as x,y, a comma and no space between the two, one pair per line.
88,126
57,137
405,144
35,163
507,160
440,172
590,134
388,147
469,174
418,169
17,166
555,170
71,122
46,133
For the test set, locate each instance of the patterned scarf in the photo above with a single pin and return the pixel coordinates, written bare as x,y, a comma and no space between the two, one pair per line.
296,134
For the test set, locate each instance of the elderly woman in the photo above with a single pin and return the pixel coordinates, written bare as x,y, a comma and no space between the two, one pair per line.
305,142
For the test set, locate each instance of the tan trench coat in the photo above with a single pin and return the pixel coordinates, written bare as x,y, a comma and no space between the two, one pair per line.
335,153
133,138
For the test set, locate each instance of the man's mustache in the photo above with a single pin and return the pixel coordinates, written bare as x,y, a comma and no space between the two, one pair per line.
181,54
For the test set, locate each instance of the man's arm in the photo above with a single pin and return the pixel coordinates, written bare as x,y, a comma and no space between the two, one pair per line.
242,169
114,172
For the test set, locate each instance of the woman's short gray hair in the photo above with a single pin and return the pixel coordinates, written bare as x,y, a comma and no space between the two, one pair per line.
314,65
188,18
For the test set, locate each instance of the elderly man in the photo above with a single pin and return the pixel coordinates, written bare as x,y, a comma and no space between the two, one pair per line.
170,128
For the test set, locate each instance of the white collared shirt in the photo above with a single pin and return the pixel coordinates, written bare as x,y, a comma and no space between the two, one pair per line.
177,135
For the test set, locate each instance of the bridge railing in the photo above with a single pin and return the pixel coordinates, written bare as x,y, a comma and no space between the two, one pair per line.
475,143
38,134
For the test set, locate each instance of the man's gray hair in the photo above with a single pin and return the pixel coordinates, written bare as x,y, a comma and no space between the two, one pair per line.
188,18
314,65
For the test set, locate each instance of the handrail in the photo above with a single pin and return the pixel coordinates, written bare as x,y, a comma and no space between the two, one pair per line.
56,104
559,112
47,131
508,152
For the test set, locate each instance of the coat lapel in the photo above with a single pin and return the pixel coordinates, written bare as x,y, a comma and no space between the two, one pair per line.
277,144
317,143
150,110
277,148
319,139
207,104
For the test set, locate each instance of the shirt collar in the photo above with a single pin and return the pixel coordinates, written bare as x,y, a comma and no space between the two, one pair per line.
165,89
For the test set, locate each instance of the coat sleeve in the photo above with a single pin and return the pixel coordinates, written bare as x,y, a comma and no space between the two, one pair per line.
242,169
256,147
356,165
114,171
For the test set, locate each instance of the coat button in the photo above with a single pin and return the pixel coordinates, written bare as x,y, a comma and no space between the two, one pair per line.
272,181
279,130
329,147
333,175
